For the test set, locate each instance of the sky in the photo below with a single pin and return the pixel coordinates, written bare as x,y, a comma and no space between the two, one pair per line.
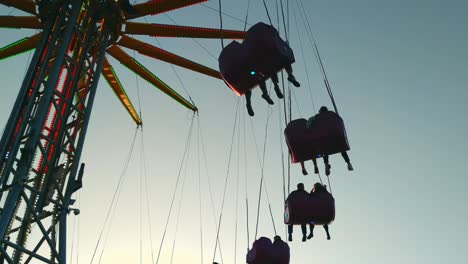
399,73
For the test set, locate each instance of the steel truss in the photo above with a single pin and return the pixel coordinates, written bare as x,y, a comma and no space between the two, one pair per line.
41,147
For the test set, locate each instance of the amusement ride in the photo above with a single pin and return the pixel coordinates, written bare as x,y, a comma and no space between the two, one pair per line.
43,139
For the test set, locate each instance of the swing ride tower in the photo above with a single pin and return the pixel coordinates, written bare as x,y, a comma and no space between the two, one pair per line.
44,136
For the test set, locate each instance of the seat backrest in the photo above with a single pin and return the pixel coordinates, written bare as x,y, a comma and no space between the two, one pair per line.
318,208
327,133
262,53
300,147
235,69
321,208
262,248
296,207
280,253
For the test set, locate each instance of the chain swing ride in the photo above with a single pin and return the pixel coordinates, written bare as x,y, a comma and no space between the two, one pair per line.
43,139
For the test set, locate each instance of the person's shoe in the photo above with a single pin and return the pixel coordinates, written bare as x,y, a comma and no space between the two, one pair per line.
328,237
316,171
293,80
290,237
311,235
327,169
278,92
350,167
267,98
304,172
304,238
250,110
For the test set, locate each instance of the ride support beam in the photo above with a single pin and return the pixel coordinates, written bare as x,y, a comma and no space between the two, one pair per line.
162,30
144,73
160,54
19,22
114,83
27,6
42,143
20,46
155,7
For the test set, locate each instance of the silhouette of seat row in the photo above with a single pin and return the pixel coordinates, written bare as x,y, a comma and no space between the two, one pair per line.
262,53
304,208
265,252
326,136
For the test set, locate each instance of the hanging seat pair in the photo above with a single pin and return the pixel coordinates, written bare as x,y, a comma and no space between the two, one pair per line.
262,53
304,208
265,252
325,136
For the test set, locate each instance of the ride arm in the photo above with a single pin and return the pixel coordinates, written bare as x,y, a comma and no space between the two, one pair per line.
160,54
27,6
162,30
161,6
20,46
114,83
19,22
144,73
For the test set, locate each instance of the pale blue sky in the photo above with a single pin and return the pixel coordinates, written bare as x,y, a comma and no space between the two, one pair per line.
399,73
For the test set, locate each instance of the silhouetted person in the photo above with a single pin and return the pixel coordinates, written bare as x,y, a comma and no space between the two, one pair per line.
314,161
344,154
300,188
280,251
263,87
248,96
318,187
291,78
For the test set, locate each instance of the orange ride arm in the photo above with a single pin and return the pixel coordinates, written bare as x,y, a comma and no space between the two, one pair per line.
27,6
161,6
19,46
160,54
116,86
19,22
144,73
161,30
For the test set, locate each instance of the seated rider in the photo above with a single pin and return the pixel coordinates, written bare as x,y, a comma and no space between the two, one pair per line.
317,189
281,249
263,87
344,154
300,188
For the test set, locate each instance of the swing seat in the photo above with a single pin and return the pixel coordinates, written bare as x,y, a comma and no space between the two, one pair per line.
265,252
262,53
327,135
301,208
260,252
280,253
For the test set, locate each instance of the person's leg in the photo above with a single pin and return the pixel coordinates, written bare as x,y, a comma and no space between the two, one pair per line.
304,171
265,95
304,232
248,96
316,170
326,230
275,80
288,69
346,158
311,234
291,77
290,231
327,164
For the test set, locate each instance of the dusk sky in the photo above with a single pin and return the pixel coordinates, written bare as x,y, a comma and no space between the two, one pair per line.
399,73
